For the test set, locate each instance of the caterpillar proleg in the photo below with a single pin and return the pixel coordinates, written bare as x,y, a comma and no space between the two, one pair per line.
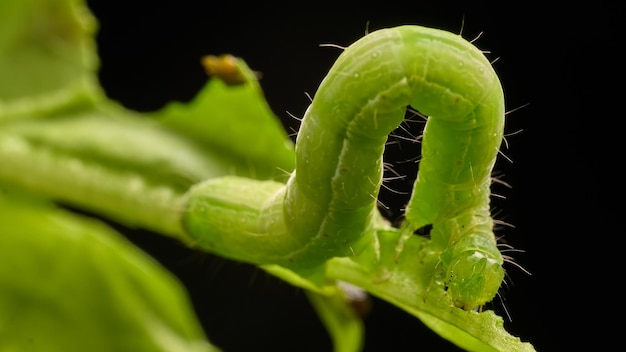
328,206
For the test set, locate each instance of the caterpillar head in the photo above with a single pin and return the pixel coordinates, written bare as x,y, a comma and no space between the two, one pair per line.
473,271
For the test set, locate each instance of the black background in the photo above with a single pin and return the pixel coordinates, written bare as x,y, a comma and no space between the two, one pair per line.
554,62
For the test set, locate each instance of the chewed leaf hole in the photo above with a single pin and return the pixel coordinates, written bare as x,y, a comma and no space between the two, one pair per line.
424,231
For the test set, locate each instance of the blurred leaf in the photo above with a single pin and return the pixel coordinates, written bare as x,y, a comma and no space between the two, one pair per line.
340,319
47,55
72,284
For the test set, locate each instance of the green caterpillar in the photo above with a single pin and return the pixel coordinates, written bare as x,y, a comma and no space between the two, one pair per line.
328,206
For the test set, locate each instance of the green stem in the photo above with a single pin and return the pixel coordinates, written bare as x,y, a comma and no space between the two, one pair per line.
125,196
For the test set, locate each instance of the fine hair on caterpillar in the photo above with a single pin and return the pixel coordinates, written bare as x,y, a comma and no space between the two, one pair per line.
330,204
400,165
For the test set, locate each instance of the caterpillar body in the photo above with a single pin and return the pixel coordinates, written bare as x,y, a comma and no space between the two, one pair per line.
329,203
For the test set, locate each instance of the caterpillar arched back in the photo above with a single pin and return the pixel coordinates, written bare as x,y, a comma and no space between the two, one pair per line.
328,206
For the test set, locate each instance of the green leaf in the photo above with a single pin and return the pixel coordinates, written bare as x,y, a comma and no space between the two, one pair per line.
405,281
72,284
235,120
340,319
334,303
47,55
